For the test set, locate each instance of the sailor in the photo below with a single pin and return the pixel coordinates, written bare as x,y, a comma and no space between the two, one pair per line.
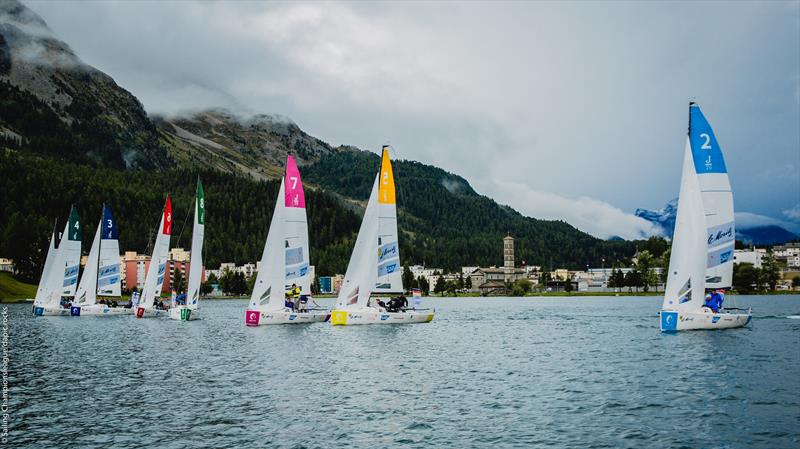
711,302
402,302
295,292
718,297
302,306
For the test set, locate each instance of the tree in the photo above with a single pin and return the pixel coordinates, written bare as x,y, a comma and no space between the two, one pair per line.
617,279
568,285
633,279
796,282
315,288
451,287
408,277
521,287
745,277
227,282
178,283
644,265
460,284
440,285
212,278
206,288
424,286
240,284
770,271
663,263
251,283
468,283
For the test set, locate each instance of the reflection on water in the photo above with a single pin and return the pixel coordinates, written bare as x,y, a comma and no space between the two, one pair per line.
558,372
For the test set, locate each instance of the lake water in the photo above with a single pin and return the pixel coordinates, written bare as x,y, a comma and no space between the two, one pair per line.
501,372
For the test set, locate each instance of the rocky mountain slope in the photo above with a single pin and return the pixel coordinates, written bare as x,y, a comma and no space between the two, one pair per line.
53,103
256,145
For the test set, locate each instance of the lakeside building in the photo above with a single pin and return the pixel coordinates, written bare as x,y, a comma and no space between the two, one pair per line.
788,253
134,266
493,280
753,256
248,270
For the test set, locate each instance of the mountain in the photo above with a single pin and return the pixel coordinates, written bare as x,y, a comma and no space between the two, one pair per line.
70,134
256,145
765,235
53,103
664,218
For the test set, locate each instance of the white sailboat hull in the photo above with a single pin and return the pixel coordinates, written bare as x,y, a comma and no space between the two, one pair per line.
704,319
374,316
184,313
141,312
266,317
50,311
100,310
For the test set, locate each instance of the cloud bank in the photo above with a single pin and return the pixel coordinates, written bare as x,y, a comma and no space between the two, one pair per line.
588,101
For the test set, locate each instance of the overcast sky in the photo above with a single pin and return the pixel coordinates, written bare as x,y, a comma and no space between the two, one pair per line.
574,111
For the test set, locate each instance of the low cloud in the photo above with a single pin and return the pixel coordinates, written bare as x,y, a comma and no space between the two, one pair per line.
747,220
592,216
793,213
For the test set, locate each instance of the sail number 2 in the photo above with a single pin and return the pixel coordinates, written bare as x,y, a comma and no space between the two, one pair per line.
707,144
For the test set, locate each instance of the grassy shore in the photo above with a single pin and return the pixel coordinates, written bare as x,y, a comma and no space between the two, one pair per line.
12,290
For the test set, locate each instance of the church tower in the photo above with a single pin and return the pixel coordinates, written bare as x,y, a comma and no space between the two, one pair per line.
508,257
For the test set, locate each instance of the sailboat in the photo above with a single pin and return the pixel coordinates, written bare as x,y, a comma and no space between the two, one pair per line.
154,279
703,240
375,263
190,310
101,275
60,272
285,260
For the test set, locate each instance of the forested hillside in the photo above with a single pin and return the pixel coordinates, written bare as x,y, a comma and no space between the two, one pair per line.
34,191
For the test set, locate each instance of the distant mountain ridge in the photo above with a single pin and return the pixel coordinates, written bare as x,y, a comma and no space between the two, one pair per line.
664,219
256,145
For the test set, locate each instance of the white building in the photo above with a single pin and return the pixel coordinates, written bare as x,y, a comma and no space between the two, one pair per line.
6,265
427,273
753,256
790,253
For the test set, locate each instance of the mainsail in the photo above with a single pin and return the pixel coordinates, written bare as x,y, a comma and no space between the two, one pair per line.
375,263
715,187
101,273
361,274
389,278
86,293
109,282
295,229
44,290
70,251
196,261
685,288
158,261
268,290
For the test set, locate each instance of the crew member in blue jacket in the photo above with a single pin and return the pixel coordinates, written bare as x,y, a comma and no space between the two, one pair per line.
714,301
